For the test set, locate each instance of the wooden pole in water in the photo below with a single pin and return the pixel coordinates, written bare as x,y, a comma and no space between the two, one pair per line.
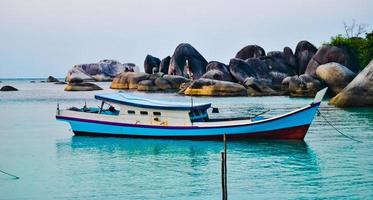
225,166
224,170
222,177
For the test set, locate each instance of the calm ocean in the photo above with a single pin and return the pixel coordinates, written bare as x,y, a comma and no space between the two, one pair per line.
53,164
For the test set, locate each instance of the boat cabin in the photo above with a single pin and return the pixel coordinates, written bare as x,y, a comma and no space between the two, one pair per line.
137,110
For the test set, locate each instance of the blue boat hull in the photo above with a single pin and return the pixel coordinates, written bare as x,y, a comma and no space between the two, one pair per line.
290,126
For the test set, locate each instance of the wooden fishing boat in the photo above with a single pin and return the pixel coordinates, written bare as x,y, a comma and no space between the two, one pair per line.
130,116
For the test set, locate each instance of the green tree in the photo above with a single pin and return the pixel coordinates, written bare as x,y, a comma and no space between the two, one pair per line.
361,49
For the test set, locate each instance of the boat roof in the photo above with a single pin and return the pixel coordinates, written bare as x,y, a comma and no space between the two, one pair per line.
136,101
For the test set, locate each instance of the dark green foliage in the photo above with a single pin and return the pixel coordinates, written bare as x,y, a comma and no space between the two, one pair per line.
361,49
367,49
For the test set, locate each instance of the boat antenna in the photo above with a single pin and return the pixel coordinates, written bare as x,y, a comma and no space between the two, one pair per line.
190,73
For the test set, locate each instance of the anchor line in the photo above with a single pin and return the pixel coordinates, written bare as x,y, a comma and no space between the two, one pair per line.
14,176
335,128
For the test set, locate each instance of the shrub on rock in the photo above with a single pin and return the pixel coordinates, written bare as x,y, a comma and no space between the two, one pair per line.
327,54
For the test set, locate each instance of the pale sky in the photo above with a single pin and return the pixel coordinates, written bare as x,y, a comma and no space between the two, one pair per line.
47,37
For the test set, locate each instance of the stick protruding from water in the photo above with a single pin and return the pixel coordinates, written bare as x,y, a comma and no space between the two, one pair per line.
14,176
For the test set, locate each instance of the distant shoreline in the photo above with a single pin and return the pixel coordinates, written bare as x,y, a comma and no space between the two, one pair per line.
25,79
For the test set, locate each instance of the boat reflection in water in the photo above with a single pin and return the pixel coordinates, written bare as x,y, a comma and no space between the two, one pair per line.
182,167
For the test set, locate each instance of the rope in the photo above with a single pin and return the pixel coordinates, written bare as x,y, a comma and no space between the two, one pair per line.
340,132
14,176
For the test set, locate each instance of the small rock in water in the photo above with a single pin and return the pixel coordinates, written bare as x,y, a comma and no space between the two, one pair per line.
8,88
52,79
32,81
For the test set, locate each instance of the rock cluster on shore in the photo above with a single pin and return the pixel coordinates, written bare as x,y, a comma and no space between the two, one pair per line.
261,74
252,72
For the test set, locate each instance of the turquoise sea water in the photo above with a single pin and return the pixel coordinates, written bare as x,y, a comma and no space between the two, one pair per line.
53,164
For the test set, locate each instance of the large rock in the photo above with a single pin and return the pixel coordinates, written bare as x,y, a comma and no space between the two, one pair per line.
290,58
302,86
327,54
148,82
335,75
76,80
253,67
104,70
257,87
175,80
151,64
128,80
359,92
8,88
256,76
303,54
163,84
82,87
277,78
165,62
276,61
52,79
147,85
250,51
208,87
185,59
217,71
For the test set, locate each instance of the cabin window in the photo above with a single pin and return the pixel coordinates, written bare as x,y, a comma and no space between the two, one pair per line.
157,113
144,112
198,115
131,112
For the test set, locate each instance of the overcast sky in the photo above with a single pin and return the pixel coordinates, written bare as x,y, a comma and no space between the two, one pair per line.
47,37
